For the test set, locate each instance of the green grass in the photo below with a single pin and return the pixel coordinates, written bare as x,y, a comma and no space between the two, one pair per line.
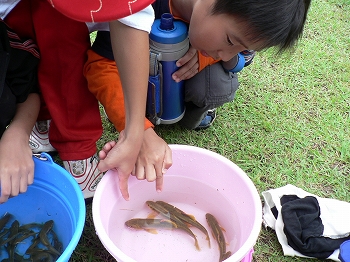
289,123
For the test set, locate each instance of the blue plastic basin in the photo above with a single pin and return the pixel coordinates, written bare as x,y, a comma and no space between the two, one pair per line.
54,195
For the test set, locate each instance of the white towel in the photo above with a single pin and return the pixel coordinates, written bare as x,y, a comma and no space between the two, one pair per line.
335,215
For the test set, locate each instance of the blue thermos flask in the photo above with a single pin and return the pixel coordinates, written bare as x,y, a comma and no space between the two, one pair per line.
165,98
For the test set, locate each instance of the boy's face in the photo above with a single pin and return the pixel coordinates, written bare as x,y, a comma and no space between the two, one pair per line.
219,36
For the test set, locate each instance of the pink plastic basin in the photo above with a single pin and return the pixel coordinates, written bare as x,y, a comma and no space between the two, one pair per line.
199,182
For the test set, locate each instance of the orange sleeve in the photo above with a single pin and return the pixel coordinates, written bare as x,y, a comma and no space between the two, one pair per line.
104,83
205,61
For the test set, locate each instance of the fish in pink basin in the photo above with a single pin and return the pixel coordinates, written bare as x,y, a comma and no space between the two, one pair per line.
218,235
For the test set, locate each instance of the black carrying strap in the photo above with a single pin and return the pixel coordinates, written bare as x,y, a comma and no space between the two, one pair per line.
4,54
19,63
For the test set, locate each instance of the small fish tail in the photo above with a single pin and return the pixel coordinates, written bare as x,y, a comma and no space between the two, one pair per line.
225,255
208,238
196,244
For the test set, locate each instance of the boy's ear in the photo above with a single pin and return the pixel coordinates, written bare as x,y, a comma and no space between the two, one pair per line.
99,10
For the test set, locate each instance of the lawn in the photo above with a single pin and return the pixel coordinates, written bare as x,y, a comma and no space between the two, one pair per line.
289,123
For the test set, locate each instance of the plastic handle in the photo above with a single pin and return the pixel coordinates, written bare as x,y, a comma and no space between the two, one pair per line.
43,157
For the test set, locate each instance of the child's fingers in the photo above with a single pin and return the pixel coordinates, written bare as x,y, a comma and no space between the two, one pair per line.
5,189
188,70
159,183
168,160
123,185
140,172
187,57
102,155
23,184
106,148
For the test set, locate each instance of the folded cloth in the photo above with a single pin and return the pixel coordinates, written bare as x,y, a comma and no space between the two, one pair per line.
303,227
306,225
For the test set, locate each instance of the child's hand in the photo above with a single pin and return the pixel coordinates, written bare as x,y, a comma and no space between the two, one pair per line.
120,156
154,159
152,162
188,64
16,165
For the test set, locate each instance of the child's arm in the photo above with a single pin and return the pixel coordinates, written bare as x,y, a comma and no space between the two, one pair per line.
104,82
131,51
193,62
16,163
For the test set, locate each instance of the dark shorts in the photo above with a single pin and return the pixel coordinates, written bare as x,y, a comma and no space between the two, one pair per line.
210,88
8,107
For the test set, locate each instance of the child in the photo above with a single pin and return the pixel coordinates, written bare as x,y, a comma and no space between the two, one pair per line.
232,26
19,107
76,123
75,118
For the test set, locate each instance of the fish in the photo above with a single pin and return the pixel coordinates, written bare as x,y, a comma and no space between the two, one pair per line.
43,235
56,243
30,226
35,243
3,221
39,234
42,256
218,235
169,215
3,233
16,257
189,219
44,231
18,237
10,247
150,224
36,252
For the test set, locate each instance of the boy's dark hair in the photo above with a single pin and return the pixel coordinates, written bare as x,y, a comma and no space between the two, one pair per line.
278,23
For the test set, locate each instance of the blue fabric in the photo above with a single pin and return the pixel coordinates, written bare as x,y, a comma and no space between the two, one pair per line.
344,254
